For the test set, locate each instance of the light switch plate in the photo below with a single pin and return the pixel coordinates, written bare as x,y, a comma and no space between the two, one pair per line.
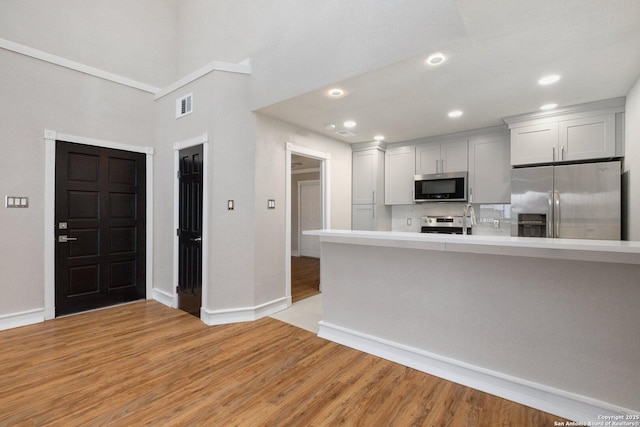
16,202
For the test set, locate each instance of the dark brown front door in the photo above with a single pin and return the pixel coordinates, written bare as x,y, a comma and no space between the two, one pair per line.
100,227
190,231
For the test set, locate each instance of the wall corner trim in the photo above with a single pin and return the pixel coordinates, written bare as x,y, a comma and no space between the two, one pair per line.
163,297
555,401
243,314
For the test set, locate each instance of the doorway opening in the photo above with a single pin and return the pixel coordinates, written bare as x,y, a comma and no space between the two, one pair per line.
307,209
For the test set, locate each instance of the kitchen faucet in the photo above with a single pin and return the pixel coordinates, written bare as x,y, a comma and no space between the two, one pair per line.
468,211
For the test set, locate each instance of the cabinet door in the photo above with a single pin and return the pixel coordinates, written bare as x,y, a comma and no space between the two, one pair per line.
364,176
363,217
399,164
588,138
454,157
428,159
534,144
490,170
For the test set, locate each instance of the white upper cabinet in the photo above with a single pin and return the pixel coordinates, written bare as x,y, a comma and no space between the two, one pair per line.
399,164
583,132
490,169
365,173
442,157
534,144
587,138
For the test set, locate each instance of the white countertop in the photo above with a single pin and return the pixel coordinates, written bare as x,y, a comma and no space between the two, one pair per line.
612,251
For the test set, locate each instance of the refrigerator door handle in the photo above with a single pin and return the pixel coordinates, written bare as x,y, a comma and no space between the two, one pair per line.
556,214
550,223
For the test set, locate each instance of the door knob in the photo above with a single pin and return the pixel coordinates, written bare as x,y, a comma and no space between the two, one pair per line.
196,239
65,239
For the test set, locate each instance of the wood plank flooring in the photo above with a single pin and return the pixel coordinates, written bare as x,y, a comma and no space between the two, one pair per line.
305,277
147,364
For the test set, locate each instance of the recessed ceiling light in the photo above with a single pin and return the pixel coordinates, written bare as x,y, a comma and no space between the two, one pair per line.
547,80
548,106
335,92
349,124
379,138
436,59
455,113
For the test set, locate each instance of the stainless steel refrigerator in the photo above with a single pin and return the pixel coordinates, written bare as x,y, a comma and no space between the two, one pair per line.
580,201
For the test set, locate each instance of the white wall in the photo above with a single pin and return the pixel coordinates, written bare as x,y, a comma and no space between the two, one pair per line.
271,138
632,161
220,110
38,96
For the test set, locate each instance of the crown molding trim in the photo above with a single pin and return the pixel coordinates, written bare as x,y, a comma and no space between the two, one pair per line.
243,67
76,66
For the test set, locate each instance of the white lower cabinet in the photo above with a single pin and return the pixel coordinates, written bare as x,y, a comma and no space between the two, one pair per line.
370,217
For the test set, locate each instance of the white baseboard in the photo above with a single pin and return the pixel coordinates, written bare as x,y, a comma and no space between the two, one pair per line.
165,298
23,318
244,314
554,401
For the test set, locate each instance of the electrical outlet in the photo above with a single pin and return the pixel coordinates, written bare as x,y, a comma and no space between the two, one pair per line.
496,223
408,221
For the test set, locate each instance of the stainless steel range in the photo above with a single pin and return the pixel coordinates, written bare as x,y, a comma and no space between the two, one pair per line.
443,224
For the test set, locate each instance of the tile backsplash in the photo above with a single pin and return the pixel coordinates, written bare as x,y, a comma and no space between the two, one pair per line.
485,216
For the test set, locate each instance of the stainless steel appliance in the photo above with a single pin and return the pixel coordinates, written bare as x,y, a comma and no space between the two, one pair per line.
443,224
441,187
578,201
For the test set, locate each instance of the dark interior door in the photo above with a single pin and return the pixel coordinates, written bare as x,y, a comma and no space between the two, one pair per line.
100,227
190,231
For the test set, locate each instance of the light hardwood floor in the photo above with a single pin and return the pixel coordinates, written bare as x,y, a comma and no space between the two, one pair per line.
147,364
305,277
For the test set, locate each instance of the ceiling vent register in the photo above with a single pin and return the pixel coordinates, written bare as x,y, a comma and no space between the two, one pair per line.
345,133
184,106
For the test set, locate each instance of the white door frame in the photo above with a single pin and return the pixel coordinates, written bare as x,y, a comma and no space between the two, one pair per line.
300,185
325,185
50,138
204,140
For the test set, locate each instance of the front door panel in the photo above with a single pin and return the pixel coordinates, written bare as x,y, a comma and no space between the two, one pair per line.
100,227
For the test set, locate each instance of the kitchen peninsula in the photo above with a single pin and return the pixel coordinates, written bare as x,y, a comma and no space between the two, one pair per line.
550,323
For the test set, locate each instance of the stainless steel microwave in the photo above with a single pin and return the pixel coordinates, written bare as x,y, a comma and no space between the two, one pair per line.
441,187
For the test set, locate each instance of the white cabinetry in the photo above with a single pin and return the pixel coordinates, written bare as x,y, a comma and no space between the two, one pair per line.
399,169
534,144
441,157
489,169
584,132
368,210
587,138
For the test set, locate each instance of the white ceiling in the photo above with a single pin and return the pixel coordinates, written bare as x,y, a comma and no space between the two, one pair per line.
490,73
